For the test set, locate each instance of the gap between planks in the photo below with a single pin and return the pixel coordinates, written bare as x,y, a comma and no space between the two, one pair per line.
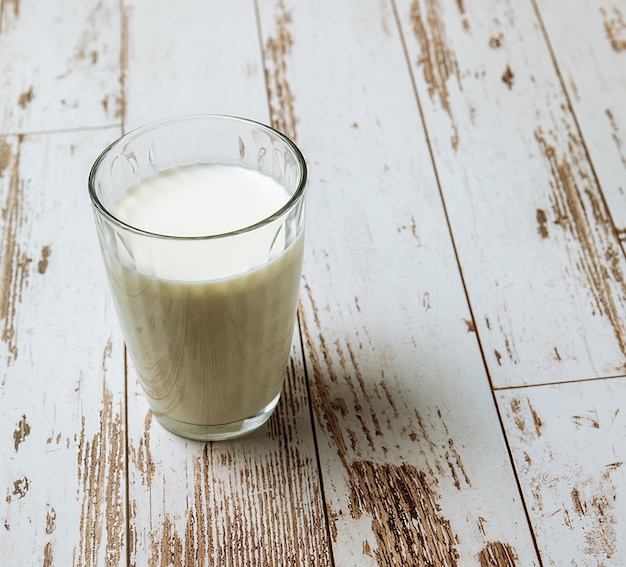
53,131
559,383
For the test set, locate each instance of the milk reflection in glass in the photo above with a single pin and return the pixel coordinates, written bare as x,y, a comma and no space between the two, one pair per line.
209,332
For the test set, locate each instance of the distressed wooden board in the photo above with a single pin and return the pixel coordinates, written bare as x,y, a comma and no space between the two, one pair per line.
414,464
59,64
568,444
411,450
254,501
541,261
589,43
61,363
192,58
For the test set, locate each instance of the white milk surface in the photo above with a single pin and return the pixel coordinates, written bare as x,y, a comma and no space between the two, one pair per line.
208,324
201,200
197,201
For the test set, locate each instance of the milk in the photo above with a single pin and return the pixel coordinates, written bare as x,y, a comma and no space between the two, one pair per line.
208,322
201,200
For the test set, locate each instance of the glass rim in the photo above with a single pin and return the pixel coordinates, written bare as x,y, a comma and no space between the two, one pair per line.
291,202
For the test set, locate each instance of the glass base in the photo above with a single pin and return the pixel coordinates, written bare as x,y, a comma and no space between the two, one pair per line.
219,432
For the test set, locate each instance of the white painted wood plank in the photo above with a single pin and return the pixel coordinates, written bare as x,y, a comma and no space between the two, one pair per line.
540,258
568,443
59,64
257,500
191,58
588,39
414,463
61,363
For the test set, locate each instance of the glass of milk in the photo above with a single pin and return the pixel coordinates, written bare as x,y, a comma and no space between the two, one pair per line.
200,221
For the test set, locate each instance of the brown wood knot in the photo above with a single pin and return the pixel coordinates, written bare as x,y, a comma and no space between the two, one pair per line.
495,41
42,265
25,98
508,77
405,515
22,431
471,327
497,554
51,518
542,223
20,489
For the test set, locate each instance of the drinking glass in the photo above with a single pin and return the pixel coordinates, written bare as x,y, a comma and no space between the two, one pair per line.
207,319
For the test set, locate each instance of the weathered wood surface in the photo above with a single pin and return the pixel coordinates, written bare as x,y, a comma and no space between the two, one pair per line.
404,414
63,406
568,444
59,64
588,40
539,255
454,392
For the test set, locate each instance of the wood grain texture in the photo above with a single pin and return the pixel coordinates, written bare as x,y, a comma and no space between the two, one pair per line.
406,423
588,42
533,234
61,363
574,506
60,64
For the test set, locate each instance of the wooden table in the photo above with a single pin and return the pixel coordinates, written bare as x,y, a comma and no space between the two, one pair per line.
454,397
